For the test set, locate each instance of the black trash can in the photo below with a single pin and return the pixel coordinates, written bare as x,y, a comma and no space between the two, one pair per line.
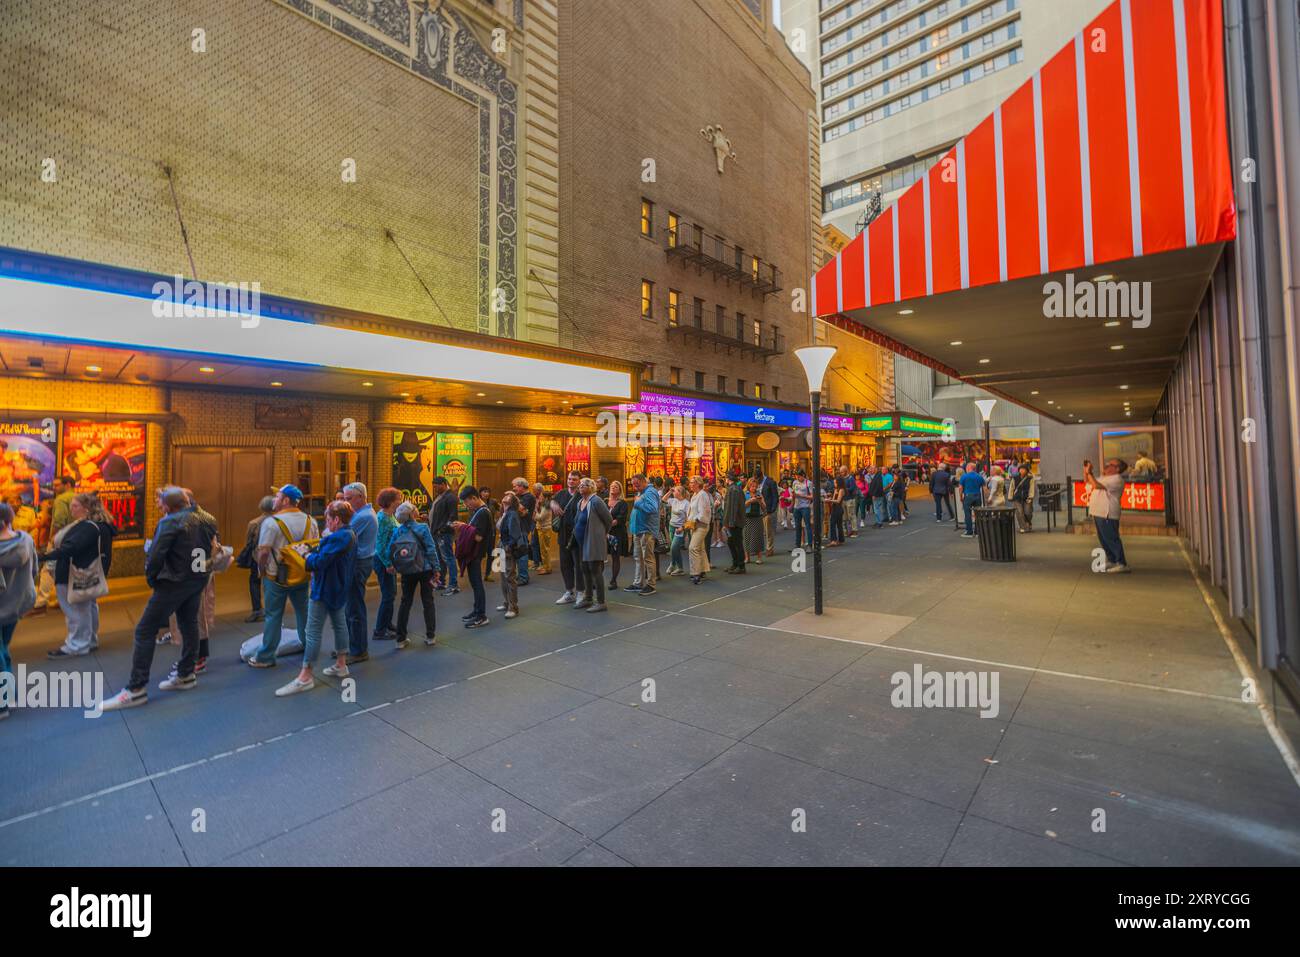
995,525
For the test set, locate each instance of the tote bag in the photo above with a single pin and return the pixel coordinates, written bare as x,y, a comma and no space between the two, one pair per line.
86,584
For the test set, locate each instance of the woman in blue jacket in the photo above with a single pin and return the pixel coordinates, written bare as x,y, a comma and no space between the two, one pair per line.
331,578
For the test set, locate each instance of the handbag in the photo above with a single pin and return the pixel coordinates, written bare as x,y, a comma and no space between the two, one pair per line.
86,584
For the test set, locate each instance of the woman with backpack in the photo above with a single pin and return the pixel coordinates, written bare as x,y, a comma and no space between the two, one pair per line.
412,554
330,565
386,502
82,551
514,544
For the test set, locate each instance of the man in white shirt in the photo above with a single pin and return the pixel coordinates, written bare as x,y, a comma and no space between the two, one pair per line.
275,596
699,519
1104,506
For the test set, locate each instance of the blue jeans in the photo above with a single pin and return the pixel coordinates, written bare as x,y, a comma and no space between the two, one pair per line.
675,551
940,502
878,508
474,570
1108,535
968,504
358,638
6,663
802,520
443,541
316,615
387,595
274,596
894,515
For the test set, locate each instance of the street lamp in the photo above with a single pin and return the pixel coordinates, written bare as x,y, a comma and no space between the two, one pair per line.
986,409
816,360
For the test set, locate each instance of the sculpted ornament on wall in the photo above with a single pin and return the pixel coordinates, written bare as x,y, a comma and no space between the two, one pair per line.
721,145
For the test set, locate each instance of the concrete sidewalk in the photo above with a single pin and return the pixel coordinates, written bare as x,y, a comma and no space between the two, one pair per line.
770,737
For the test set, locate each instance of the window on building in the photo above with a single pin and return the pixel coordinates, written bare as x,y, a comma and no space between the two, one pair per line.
740,259
722,383
753,267
673,297
758,390
648,372
722,319
674,375
672,230
740,387
776,393
758,332
699,382
740,326
647,299
322,473
699,313
647,218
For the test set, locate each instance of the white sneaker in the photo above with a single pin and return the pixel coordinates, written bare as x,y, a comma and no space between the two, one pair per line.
510,614
165,638
336,671
295,686
1118,568
177,683
565,599
125,699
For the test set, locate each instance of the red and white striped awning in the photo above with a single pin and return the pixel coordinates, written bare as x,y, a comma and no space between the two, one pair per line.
1115,149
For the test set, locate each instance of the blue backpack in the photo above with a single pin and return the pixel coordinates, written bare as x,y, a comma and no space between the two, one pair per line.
406,552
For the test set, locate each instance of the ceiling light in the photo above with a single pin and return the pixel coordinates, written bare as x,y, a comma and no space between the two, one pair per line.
404,394
1118,346
206,369
906,312
1113,322
94,369
1129,412
501,401
276,385
564,402
1051,402
1106,278
367,384
984,362
1035,392
481,395
1123,387
955,342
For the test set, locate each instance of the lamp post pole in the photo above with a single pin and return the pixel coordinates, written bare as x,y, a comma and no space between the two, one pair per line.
817,500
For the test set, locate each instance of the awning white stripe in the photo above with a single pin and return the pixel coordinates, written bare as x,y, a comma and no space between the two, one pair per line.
1085,156
1130,110
1185,120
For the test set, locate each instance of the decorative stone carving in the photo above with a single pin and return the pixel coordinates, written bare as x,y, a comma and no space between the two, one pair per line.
430,24
721,145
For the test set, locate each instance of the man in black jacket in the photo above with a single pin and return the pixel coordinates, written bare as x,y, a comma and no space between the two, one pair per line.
768,490
177,569
564,505
940,486
442,513
733,520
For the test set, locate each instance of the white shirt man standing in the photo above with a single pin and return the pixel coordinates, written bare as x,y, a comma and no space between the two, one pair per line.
1104,505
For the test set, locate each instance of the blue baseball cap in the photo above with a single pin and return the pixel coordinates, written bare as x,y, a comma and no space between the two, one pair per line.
292,492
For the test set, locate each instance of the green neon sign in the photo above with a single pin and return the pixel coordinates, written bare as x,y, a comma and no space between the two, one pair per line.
922,425
880,423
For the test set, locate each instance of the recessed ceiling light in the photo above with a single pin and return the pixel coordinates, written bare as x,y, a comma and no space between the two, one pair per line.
481,395
1113,322
1106,278
1118,346
1123,387
1128,412
367,384
564,402
1035,392
984,362
501,401
1051,402
276,385
955,342
906,312
206,369
94,369
404,394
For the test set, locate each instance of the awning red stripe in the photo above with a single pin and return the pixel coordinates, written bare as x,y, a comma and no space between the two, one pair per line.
1159,146
1061,158
911,244
1216,210
1020,174
982,204
826,287
881,238
1112,230
945,235
853,285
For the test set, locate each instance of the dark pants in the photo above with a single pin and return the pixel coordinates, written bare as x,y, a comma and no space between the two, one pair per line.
736,545
1108,535
837,523
594,582
424,581
968,505
255,588
521,566
567,567
387,592
802,522
474,572
447,553
181,599
939,502
358,636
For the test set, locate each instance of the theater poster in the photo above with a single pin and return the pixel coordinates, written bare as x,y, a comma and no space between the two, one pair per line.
456,458
577,456
108,458
550,461
28,457
413,461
